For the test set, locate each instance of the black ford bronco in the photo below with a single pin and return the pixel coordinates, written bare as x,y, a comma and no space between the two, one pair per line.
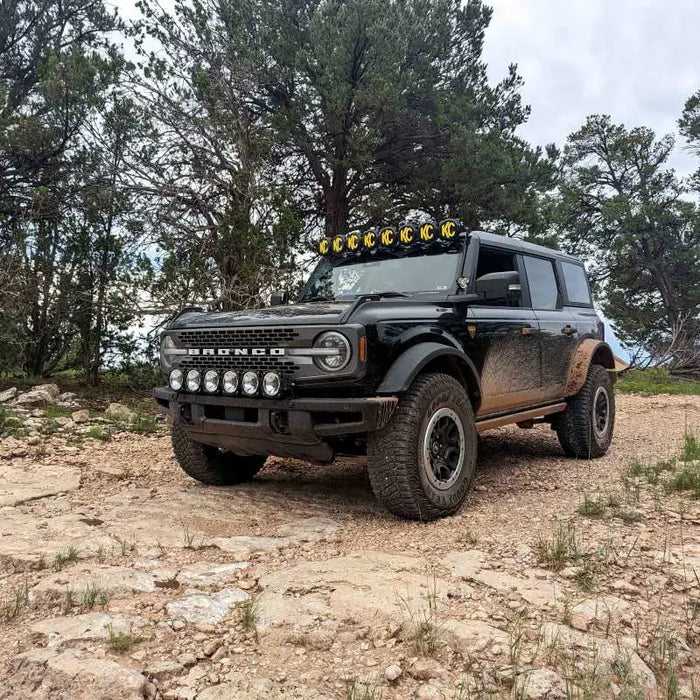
403,345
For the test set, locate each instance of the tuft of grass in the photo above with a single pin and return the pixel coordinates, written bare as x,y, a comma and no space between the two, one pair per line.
655,381
97,432
94,595
691,448
560,549
53,411
627,515
249,615
586,576
424,629
143,423
12,606
11,425
67,556
361,690
121,641
68,601
591,506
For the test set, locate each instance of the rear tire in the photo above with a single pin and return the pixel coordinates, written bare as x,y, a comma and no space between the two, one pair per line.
210,465
422,462
585,429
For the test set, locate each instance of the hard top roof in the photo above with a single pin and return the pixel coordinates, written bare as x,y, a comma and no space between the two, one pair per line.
516,244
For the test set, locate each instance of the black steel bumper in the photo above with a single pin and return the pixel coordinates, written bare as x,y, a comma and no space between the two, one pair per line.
285,427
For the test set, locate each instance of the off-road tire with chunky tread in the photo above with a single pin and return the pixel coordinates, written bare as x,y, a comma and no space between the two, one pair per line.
394,453
574,426
210,465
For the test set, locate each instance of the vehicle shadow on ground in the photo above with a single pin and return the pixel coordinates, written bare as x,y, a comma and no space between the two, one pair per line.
344,485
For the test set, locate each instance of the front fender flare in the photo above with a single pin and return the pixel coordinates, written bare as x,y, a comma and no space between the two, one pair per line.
590,350
409,364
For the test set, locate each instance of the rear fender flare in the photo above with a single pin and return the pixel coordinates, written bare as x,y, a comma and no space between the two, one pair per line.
411,362
590,351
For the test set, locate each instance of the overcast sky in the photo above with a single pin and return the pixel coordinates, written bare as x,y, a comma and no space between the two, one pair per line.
637,60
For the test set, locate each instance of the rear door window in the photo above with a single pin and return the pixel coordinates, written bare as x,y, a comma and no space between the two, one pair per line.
542,283
576,284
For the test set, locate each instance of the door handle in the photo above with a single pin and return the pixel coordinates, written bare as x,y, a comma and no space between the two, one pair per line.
568,330
528,330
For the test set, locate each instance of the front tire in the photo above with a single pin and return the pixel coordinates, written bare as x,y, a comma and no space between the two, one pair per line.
422,462
585,429
210,465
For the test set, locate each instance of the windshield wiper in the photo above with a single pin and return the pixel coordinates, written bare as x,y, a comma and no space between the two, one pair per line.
317,297
381,295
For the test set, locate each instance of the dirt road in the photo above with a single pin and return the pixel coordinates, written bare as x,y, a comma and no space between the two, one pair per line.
122,578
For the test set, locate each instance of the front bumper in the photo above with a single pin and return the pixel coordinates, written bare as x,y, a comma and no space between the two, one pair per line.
284,427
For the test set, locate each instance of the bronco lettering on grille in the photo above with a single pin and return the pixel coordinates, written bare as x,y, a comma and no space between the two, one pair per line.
238,352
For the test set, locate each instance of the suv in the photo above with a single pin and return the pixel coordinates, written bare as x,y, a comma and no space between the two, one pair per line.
403,345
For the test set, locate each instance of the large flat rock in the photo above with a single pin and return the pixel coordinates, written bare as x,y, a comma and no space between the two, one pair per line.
20,483
60,631
27,538
362,586
206,608
113,580
47,673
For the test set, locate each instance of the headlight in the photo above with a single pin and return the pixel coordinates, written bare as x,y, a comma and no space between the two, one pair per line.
230,382
176,379
271,384
211,381
337,351
250,383
194,379
168,352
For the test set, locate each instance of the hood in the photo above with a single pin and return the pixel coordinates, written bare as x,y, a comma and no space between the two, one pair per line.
292,315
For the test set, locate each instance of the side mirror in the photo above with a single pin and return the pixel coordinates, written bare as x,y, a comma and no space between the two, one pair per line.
499,288
279,298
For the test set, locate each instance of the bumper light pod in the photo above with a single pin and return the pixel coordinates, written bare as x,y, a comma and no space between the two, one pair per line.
194,379
250,383
176,379
211,381
230,382
271,384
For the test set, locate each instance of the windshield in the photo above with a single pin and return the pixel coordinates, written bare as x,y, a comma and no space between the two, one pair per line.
405,274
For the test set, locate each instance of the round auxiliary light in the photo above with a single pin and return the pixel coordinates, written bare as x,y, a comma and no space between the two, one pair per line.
176,379
427,232
407,234
230,382
387,236
448,229
271,384
194,379
324,246
211,381
352,242
338,244
337,354
250,383
370,239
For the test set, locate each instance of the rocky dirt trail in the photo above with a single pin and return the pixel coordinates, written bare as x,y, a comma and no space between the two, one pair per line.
121,578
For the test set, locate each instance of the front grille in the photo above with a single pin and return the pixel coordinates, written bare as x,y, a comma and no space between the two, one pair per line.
236,337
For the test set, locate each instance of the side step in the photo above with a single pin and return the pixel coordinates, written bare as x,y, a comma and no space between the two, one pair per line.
520,416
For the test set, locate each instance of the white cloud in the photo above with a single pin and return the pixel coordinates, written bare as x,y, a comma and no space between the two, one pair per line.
637,60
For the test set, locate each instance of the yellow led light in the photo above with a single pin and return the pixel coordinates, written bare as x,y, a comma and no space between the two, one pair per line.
448,229
324,246
338,244
352,242
387,236
406,234
369,239
427,232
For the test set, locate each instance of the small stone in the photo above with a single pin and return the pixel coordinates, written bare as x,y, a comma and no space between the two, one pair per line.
119,413
187,659
391,673
428,691
34,440
164,669
82,416
63,421
211,647
178,624
66,397
425,669
218,654
50,389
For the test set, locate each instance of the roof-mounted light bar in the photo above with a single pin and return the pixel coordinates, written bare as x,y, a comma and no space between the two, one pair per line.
406,234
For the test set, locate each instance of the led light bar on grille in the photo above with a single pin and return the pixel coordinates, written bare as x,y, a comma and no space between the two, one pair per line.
406,234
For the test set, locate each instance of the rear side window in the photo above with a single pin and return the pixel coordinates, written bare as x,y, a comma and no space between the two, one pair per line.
542,282
577,291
